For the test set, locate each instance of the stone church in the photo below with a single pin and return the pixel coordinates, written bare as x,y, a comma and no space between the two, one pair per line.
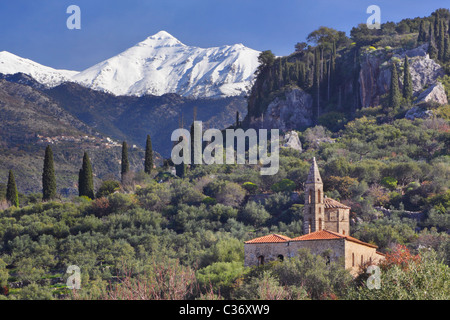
326,229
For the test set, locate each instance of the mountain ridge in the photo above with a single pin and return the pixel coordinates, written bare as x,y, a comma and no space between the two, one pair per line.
157,65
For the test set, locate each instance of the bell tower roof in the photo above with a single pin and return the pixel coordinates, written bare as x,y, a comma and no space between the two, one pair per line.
314,174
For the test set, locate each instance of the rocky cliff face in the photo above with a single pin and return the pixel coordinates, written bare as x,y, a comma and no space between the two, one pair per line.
375,74
292,111
435,93
291,140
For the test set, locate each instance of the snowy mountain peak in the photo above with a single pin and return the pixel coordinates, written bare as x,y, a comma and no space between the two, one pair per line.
162,35
162,38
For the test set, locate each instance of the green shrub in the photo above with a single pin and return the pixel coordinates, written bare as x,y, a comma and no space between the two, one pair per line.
209,201
285,185
107,187
389,182
254,214
250,187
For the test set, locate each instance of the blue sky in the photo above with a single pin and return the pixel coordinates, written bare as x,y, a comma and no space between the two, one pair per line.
36,29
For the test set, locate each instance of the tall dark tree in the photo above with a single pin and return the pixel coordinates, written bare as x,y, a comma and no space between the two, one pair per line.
148,162
86,179
286,72
430,31
407,81
447,48
48,176
280,73
422,38
316,81
432,50
12,195
394,92
125,164
440,40
437,22
238,122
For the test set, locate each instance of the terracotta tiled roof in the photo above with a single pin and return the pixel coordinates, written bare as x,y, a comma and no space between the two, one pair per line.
327,235
271,238
331,203
319,235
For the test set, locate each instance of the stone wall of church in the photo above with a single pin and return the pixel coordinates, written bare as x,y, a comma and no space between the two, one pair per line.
335,247
357,254
274,251
337,220
349,253
269,252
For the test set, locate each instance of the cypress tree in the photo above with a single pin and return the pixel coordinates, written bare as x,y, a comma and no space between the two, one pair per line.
430,31
437,22
237,120
86,179
286,72
432,51
316,81
125,164
148,163
304,78
12,195
394,92
280,74
48,176
441,41
422,33
333,59
407,81
296,71
419,37
447,48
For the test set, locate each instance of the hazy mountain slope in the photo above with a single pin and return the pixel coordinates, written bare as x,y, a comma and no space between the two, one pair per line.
30,120
132,118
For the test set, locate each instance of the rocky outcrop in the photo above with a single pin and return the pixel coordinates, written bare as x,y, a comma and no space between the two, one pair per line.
418,112
435,93
375,74
291,140
292,111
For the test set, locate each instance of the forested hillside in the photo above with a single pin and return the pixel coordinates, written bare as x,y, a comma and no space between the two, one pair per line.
338,72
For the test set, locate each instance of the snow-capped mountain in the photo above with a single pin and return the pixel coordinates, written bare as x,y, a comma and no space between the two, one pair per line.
160,64
11,64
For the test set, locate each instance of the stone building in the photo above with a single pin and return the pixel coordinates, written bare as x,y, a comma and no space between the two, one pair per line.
326,230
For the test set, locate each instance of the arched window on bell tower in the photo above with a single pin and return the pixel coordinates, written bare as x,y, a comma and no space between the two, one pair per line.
318,196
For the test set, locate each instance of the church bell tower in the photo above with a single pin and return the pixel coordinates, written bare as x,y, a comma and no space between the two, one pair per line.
314,209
